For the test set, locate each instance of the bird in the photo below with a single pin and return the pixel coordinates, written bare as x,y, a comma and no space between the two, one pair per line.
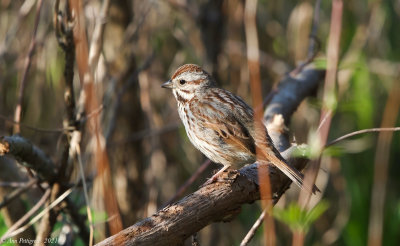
222,126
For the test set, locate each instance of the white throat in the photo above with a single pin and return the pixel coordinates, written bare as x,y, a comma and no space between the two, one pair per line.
179,95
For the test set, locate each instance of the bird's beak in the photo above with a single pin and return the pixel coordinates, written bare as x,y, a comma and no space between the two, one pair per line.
168,85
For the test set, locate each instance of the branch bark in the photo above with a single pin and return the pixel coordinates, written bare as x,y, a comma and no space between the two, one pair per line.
28,155
221,201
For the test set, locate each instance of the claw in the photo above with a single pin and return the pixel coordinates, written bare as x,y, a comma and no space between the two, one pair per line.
215,177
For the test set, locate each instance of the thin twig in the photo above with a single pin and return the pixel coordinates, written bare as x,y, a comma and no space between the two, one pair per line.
312,49
325,119
33,128
14,184
55,130
97,37
85,192
253,229
381,167
328,96
28,59
38,216
15,193
352,134
49,219
22,220
93,113
253,62
314,44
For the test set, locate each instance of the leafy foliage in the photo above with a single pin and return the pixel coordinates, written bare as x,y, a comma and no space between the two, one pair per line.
299,219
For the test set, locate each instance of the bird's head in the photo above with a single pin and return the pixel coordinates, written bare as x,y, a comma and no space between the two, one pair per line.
187,81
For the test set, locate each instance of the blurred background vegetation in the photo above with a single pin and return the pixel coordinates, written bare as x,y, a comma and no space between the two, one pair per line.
149,154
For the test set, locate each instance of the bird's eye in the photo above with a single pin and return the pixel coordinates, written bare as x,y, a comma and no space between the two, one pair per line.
182,81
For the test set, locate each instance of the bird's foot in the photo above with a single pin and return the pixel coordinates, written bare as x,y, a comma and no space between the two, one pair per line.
217,177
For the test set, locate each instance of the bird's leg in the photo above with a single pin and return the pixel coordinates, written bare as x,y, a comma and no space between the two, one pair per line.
214,178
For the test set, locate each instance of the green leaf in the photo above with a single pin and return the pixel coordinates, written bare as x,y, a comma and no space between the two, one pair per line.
316,212
333,151
299,219
320,63
302,151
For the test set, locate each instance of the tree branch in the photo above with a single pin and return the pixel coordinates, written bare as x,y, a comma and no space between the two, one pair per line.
221,201
28,155
292,90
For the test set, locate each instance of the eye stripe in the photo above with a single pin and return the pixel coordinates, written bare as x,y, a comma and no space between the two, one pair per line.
196,82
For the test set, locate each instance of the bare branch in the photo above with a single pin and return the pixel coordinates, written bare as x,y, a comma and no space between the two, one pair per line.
49,218
352,134
38,216
85,192
381,168
28,59
15,193
291,91
24,218
253,229
28,155
97,39
173,224
14,184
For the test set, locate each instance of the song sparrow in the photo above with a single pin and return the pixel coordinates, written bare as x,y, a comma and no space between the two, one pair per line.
221,125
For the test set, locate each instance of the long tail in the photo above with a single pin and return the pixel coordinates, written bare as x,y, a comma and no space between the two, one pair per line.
288,170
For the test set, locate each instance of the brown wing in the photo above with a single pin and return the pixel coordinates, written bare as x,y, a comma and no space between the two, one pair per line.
232,119
233,133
